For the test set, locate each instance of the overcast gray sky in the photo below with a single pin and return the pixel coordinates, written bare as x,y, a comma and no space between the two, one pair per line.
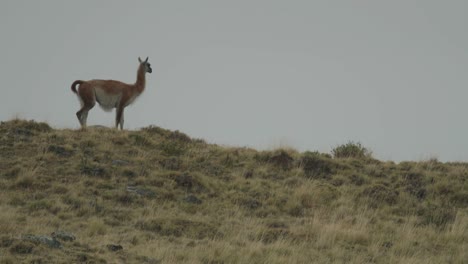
306,74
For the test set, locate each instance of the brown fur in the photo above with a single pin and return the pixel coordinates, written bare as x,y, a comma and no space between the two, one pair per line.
109,94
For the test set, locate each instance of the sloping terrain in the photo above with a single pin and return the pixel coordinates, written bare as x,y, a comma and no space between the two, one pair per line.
158,196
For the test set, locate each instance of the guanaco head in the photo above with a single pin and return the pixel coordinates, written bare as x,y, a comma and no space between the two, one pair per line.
146,64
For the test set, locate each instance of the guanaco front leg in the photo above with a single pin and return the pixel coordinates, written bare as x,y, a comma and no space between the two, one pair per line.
119,118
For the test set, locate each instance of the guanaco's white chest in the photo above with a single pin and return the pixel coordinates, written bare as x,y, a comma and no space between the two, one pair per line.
107,101
132,99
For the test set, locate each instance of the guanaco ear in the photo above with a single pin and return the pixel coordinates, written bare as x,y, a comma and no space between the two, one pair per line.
146,59
139,60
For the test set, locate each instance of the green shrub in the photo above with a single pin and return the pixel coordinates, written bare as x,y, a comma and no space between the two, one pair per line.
351,150
438,215
173,148
281,159
154,130
316,166
140,140
379,194
12,173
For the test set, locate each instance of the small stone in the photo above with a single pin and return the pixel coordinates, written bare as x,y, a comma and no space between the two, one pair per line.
248,174
192,199
120,162
252,204
184,181
60,151
46,240
64,236
148,260
141,191
191,244
114,248
99,127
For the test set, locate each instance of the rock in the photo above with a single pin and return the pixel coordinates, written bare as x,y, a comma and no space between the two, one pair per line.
191,244
248,174
62,235
114,248
129,173
23,132
184,181
46,240
60,151
171,163
93,171
141,191
252,203
188,182
120,162
148,260
192,199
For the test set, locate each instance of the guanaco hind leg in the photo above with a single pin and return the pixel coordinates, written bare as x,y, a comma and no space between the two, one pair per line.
88,101
82,114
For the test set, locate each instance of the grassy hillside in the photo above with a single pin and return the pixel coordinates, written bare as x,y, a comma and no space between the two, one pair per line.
158,196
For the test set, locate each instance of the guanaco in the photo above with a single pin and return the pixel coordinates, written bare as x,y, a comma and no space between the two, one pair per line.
110,94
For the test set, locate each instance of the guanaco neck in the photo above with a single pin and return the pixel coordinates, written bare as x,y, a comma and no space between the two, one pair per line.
141,81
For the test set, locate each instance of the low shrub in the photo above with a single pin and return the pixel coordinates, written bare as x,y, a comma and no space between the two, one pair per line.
351,150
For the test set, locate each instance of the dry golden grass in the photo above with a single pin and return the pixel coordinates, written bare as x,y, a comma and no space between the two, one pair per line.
167,198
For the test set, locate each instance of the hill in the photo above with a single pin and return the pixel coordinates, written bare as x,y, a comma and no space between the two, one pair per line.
159,196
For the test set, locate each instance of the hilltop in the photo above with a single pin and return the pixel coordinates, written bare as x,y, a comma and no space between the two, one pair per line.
159,196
